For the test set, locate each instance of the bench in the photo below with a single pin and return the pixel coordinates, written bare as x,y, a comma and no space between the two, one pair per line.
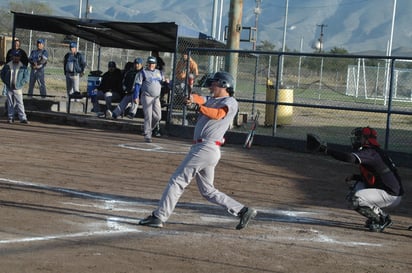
44,104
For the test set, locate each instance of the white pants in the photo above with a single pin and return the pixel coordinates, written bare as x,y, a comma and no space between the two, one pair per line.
371,197
15,100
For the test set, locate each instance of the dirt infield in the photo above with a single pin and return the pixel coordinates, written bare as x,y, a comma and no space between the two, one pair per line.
71,198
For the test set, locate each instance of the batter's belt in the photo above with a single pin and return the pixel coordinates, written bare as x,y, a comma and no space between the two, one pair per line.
200,140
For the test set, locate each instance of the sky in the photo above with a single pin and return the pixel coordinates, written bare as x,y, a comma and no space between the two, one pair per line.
356,25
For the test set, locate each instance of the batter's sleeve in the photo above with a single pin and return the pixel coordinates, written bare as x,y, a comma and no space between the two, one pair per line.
214,113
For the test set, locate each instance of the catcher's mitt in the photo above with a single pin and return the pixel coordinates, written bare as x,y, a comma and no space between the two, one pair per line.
314,144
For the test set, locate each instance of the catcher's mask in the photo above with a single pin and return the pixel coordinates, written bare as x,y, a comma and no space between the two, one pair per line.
369,133
224,79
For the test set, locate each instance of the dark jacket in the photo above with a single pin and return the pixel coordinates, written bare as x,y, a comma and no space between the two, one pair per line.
111,82
128,81
23,58
79,64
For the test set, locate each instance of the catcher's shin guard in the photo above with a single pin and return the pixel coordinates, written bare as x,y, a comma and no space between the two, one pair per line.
368,213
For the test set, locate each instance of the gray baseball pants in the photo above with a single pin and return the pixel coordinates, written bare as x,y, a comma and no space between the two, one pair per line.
200,163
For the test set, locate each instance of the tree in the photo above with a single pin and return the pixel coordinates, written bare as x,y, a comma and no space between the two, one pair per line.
338,50
6,17
265,46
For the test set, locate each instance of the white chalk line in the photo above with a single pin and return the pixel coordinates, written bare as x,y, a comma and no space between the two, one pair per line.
116,225
154,147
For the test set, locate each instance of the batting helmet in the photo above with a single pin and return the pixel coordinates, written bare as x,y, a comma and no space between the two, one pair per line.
151,60
224,80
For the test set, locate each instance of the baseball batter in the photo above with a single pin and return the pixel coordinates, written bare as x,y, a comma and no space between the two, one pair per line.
216,115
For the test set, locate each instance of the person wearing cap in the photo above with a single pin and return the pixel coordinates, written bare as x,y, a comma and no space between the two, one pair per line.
128,89
378,185
110,89
9,57
16,45
74,65
148,87
38,60
15,75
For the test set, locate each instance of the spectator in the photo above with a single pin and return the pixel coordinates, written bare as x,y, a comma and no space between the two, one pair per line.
148,85
128,89
181,68
110,89
9,57
38,60
15,75
160,65
128,66
16,45
73,65
165,87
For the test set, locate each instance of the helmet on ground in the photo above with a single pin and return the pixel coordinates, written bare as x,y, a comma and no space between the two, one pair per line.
368,133
224,80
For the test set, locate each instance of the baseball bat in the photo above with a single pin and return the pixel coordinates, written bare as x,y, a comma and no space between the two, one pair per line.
251,134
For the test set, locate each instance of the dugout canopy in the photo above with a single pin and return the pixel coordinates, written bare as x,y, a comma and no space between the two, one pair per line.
163,36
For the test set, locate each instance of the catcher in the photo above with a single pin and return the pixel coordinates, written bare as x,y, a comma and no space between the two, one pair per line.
377,186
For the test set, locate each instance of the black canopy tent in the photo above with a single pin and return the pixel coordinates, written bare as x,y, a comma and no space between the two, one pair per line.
163,37
140,36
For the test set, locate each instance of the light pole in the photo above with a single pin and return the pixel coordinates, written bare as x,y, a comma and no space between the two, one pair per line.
389,52
257,12
80,17
283,42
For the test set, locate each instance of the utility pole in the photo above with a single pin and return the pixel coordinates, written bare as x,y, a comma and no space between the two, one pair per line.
233,42
320,47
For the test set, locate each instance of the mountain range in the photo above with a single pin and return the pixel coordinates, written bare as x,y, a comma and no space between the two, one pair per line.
359,26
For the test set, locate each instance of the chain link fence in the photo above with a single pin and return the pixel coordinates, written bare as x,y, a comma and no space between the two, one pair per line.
325,94
294,93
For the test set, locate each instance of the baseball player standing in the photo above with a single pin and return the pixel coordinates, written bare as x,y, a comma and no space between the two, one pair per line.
148,86
216,115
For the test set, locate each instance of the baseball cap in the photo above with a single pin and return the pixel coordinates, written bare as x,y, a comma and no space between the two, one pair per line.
73,44
138,60
151,60
111,64
16,52
40,41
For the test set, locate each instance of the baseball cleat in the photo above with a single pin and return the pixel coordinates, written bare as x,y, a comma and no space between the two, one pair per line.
379,227
246,214
151,221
